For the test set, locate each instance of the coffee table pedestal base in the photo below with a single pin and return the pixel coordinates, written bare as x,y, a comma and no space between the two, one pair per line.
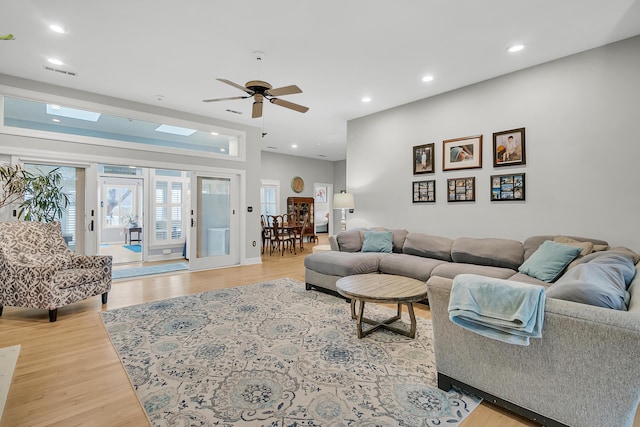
385,324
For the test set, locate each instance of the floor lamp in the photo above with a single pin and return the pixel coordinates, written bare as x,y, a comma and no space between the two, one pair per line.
343,201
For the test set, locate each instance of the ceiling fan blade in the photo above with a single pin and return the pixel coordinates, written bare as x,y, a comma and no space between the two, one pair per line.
257,106
236,85
290,105
285,90
225,99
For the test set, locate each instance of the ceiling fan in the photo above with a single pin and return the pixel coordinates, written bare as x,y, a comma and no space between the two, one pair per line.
260,91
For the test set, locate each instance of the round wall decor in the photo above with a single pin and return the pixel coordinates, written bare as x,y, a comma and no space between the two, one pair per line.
297,184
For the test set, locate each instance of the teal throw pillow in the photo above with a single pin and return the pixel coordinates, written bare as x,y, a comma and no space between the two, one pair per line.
377,241
549,260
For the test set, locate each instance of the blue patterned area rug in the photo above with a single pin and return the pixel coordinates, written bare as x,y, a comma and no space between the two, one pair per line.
274,354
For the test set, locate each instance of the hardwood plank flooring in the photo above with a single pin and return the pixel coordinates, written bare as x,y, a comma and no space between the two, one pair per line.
68,374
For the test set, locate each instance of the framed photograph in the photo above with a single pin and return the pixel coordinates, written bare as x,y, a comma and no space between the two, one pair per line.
423,156
462,153
461,189
424,191
509,148
507,187
321,194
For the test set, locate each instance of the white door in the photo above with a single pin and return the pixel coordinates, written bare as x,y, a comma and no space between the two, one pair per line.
214,220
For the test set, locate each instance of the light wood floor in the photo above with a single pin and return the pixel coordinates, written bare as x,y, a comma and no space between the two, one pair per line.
68,374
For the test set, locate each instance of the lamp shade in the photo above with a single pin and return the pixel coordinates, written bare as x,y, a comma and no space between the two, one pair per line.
343,201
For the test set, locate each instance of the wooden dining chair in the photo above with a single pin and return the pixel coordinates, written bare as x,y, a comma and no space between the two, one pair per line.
285,234
267,232
299,231
272,226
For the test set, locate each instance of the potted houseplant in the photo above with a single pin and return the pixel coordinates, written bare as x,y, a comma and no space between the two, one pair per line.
40,196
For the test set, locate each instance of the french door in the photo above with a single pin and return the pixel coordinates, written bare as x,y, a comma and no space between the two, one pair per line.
214,220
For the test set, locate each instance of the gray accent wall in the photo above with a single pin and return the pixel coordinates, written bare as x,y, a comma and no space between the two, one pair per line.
582,120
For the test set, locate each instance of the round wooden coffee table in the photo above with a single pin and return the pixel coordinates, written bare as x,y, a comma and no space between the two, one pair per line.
382,288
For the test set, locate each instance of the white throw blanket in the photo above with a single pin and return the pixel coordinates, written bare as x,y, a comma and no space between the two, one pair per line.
504,310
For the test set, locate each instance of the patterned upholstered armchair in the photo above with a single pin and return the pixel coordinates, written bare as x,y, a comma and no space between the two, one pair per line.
38,270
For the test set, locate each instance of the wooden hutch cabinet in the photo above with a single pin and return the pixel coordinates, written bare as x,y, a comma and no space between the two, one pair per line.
301,206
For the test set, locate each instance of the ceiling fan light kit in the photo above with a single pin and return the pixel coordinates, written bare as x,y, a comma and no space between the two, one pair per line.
261,90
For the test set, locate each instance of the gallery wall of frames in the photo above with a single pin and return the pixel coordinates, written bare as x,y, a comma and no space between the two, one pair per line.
508,150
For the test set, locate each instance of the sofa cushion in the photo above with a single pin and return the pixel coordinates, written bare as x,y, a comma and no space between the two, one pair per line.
428,246
377,241
343,263
488,251
587,247
399,236
56,260
602,281
549,260
532,243
452,269
349,240
409,266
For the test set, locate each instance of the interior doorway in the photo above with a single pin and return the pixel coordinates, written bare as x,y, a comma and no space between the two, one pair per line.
121,219
323,201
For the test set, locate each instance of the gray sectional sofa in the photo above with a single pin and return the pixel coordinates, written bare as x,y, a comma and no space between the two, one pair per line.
584,371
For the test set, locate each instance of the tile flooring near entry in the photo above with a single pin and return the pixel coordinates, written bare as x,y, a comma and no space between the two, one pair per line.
122,253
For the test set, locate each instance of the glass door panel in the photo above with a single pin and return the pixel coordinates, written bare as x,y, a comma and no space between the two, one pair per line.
214,222
73,184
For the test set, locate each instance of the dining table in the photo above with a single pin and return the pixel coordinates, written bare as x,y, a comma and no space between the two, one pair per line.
290,230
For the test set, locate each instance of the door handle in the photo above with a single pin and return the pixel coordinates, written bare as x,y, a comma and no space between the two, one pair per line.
193,223
91,226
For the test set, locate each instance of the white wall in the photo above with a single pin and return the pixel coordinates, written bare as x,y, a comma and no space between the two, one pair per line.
582,120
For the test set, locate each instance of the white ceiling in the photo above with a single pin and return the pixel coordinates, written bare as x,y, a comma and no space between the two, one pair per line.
337,52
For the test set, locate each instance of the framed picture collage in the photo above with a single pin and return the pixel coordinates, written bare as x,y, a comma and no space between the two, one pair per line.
466,153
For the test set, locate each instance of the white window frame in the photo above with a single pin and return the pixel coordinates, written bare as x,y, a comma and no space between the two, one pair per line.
270,183
184,181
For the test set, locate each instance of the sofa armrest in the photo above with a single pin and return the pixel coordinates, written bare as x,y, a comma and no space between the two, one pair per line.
333,242
583,350
91,261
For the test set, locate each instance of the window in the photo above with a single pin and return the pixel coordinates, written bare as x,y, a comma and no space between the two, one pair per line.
197,139
269,194
169,198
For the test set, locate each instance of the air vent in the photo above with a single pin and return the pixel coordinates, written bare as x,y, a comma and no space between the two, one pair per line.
272,147
57,70
234,111
321,155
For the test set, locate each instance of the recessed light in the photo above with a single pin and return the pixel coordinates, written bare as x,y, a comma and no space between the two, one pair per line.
55,61
515,48
427,78
57,28
294,145
366,99
222,150
55,120
214,133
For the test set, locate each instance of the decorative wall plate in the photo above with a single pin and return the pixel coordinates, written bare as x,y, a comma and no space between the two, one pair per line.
297,184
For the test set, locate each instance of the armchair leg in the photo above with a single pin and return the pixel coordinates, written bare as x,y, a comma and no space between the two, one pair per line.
104,297
53,315
1,307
